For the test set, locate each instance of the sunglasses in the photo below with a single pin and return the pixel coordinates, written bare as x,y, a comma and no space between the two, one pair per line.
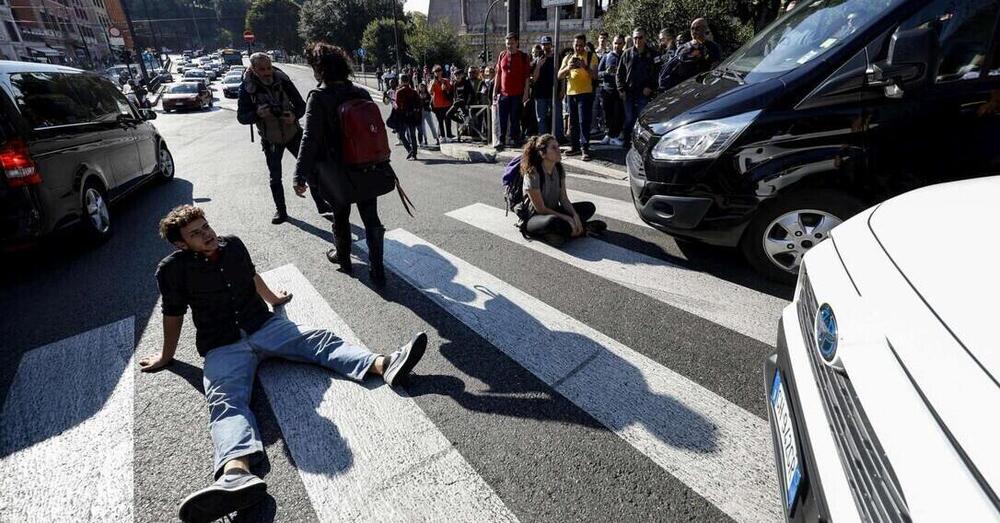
640,37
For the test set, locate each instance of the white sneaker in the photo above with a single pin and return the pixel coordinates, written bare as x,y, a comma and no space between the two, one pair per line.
617,142
607,139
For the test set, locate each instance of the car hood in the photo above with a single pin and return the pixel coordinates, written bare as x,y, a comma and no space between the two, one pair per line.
708,96
942,239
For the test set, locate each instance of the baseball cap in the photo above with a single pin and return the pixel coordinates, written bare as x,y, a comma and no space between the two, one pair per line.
545,39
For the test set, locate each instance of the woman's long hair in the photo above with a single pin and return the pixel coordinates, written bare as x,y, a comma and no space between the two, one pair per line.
534,149
331,62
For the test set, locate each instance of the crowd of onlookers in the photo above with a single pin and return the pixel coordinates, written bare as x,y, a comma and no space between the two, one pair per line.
599,89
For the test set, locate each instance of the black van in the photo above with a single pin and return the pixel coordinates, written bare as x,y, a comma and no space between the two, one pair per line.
70,144
835,106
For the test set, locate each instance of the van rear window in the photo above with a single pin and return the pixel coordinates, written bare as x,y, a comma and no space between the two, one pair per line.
54,99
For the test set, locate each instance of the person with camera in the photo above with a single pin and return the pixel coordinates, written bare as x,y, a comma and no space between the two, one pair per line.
580,71
269,100
697,56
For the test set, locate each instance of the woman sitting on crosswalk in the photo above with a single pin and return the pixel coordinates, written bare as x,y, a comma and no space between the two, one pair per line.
553,217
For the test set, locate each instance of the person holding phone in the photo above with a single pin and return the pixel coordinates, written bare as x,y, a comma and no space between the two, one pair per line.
580,71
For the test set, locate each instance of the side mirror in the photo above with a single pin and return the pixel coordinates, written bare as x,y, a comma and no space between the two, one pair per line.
910,53
147,114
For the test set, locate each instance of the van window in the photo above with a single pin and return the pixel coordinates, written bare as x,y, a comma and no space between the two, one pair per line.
963,29
54,99
804,35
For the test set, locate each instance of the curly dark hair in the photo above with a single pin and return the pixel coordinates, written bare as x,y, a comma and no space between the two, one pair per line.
331,62
178,218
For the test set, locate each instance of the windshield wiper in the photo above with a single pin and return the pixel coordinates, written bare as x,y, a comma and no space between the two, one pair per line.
730,74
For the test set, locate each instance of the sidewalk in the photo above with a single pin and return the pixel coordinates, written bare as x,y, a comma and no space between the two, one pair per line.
608,161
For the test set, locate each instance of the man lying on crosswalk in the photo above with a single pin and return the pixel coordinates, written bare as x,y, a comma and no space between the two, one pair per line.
235,331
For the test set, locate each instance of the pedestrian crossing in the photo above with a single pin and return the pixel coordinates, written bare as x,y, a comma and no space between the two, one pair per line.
369,453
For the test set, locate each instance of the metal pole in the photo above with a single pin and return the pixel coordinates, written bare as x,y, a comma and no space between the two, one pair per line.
486,22
395,34
555,73
194,21
131,30
152,32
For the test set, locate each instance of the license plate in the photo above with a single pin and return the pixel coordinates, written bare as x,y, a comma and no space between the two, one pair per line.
791,463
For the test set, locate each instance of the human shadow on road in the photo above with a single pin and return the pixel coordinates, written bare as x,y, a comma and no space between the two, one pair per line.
560,362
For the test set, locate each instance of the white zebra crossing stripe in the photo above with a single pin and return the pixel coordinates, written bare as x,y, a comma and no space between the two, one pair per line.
735,307
609,207
603,179
366,453
66,445
718,449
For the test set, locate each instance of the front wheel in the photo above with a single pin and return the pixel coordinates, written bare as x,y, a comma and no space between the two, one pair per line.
166,161
96,222
785,229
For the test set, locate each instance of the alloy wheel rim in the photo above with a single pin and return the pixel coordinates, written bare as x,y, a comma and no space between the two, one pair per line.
97,211
791,235
166,162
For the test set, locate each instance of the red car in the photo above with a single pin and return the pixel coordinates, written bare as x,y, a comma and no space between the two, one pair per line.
186,95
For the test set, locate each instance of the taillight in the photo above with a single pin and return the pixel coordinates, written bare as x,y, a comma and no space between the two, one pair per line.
16,162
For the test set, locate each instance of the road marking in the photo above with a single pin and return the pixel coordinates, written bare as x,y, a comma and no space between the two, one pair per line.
66,444
366,453
609,207
730,305
718,449
604,179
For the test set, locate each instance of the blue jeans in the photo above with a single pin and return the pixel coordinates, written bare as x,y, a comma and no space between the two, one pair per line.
229,373
510,117
581,114
408,135
543,114
634,105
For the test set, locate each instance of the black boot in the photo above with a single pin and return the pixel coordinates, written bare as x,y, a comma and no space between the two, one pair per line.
341,253
281,213
376,269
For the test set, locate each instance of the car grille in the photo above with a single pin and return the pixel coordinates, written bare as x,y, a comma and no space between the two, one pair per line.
640,138
873,483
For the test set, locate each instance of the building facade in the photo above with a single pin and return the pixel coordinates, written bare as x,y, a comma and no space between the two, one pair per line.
10,37
66,32
468,18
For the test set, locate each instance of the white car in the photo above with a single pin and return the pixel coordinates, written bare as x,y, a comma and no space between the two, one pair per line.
884,392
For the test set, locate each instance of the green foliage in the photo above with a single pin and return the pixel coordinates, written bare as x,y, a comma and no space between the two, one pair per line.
232,16
435,43
272,22
342,22
227,38
379,41
732,21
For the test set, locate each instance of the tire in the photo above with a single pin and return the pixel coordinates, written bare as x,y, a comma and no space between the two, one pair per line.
791,225
96,214
165,163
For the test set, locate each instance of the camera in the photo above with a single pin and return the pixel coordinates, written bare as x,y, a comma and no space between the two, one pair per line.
276,109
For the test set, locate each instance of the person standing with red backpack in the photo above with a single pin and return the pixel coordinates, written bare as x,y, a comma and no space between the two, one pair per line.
345,156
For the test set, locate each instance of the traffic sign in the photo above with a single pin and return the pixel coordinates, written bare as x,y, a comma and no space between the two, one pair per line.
557,3
115,37
361,52
248,37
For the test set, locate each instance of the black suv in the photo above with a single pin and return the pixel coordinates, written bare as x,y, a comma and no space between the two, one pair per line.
835,106
70,143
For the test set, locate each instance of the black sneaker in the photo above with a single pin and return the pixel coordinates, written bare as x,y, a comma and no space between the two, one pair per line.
279,217
596,228
499,148
586,156
573,152
402,361
233,491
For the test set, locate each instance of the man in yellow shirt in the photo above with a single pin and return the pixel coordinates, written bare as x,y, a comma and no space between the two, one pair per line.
580,70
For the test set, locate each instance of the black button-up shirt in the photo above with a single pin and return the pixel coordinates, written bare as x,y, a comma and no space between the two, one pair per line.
221,293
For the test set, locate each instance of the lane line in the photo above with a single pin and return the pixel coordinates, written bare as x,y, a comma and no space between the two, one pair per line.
366,453
610,207
735,307
66,443
602,179
718,449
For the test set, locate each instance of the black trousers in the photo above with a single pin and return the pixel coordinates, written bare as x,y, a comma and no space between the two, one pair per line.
273,153
444,123
541,224
614,112
368,209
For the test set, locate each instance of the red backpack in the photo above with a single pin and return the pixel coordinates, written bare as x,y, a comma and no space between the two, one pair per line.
363,139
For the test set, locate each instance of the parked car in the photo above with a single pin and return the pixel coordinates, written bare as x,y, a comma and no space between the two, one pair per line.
886,366
196,75
70,145
835,106
231,85
186,95
187,54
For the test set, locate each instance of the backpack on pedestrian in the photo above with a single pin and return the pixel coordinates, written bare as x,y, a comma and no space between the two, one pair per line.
513,194
363,152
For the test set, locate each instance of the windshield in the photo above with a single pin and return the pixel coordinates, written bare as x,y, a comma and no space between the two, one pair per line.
808,32
183,88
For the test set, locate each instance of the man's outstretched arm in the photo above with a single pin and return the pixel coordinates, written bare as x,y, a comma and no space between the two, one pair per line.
265,292
171,334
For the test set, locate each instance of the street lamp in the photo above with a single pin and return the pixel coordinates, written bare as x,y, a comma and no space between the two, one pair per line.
486,22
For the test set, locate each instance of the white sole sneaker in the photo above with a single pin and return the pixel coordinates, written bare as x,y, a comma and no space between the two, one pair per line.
220,499
402,361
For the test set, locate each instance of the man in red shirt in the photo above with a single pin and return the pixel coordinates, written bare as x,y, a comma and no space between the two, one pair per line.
513,74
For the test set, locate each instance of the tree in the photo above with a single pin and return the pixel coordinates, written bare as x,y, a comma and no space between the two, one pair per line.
379,41
342,22
434,43
732,21
272,20
232,15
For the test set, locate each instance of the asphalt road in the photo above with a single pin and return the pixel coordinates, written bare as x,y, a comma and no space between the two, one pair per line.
614,380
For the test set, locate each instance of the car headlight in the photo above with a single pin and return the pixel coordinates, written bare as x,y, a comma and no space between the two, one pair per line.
701,140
